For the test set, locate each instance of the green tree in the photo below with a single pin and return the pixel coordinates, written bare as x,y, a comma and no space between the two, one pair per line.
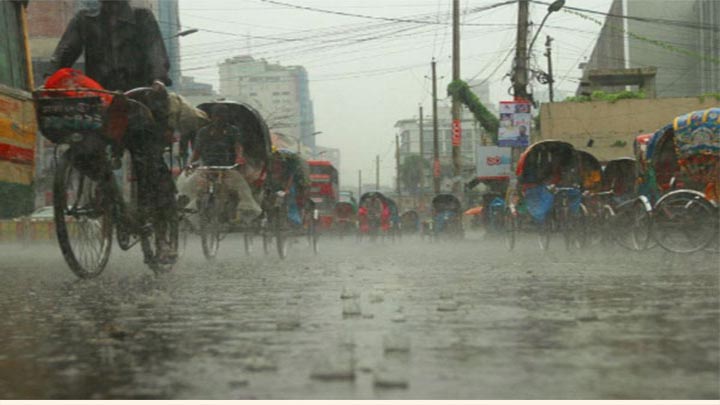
412,167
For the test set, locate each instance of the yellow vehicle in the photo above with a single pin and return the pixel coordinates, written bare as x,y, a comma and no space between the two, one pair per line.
17,117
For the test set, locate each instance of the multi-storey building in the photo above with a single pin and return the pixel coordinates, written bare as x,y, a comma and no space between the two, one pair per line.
679,38
280,93
47,21
409,132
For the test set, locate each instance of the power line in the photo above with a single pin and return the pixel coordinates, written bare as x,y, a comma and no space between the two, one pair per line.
403,20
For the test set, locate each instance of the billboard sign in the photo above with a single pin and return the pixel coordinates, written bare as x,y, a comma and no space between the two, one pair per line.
493,161
515,123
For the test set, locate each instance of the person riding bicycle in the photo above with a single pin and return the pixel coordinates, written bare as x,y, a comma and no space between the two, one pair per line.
123,50
221,144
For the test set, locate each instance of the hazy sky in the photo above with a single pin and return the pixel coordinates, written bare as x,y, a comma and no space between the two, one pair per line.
365,74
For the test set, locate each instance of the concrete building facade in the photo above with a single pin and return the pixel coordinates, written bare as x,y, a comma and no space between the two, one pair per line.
47,21
280,93
409,132
679,38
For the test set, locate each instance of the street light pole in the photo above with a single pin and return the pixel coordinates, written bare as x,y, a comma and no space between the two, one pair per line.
520,79
551,79
436,146
422,155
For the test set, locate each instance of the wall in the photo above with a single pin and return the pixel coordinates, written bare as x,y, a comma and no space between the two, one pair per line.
606,123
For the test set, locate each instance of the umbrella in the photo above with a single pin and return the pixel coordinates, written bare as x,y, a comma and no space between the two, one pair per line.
475,210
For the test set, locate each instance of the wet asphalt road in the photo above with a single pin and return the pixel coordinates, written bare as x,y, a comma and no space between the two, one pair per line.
410,320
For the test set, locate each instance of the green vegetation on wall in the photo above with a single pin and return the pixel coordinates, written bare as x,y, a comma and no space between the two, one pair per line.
460,91
609,97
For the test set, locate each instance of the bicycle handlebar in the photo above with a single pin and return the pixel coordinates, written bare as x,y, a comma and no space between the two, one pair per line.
219,168
80,89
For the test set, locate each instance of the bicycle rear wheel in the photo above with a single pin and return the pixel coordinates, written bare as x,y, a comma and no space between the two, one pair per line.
83,219
209,228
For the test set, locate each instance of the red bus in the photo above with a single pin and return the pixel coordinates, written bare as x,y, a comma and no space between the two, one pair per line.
324,190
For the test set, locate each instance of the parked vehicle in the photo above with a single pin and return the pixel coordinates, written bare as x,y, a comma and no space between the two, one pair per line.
490,213
345,222
548,196
324,190
377,216
447,217
684,168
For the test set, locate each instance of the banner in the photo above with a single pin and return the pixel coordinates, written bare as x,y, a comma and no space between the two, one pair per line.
493,161
515,123
456,133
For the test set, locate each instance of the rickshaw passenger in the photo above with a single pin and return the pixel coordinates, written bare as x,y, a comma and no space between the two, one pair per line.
220,144
286,182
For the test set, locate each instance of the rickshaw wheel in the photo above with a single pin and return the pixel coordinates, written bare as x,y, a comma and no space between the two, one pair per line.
681,223
545,229
247,242
510,230
631,226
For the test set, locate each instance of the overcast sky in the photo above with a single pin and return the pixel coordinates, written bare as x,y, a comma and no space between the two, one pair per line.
365,74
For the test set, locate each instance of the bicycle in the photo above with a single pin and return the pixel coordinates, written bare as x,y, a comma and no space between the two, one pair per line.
87,199
215,208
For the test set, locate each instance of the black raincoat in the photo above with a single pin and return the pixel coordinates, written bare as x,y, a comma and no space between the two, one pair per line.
123,47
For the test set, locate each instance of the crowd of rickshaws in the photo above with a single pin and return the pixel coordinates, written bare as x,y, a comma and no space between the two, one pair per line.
666,196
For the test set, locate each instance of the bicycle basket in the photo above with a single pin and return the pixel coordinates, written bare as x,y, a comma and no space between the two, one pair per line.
60,117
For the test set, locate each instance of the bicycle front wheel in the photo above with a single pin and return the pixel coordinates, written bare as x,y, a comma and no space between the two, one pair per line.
83,219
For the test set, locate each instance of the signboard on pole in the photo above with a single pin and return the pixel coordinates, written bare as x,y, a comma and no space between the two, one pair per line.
493,161
456,133
515,123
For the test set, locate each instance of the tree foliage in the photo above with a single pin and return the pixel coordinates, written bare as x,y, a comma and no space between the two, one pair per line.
460,91
411,170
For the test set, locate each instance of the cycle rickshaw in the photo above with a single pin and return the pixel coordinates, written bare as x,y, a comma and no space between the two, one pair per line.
410,222
345,222
447,217
491,211
590,171
289,212
218,209
548,195
627,214
684,164
377,215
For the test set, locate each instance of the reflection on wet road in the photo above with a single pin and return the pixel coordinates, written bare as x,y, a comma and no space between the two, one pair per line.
398,321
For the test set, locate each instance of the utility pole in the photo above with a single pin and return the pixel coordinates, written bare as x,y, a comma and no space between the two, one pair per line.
397,162
377,172
520,79
359,184
436,150
551,78
456,107
422,155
